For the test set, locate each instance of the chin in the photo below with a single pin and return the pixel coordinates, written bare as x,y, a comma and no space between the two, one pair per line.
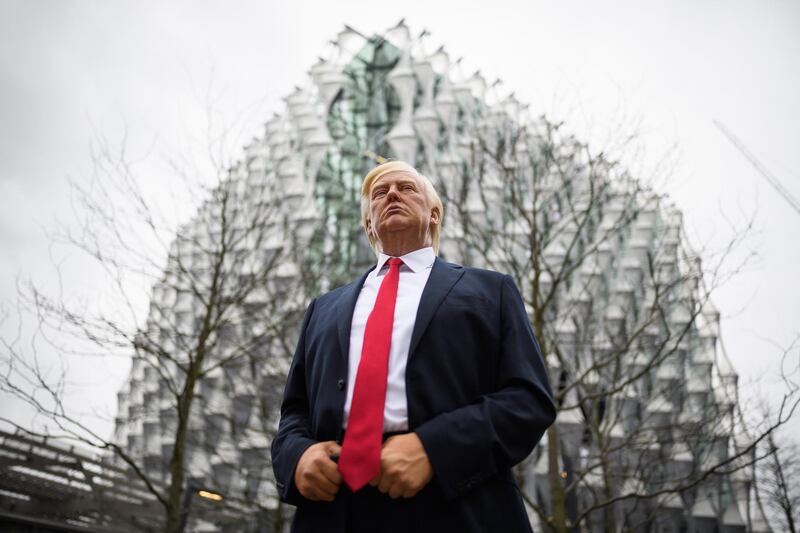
395,221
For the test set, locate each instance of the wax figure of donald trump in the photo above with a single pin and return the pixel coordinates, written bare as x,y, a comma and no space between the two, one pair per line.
414,389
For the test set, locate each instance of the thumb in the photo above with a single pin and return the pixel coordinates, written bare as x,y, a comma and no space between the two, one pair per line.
333,448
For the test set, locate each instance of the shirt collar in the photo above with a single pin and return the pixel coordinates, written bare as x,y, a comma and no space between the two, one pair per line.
416,261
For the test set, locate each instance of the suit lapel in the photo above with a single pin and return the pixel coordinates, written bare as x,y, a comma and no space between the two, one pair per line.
346,307
443,277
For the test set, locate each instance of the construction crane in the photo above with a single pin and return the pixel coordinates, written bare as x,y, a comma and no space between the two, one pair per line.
759,167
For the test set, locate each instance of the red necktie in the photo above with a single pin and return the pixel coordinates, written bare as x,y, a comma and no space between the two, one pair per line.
360,460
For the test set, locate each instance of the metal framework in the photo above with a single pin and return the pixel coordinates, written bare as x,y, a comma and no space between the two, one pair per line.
45,483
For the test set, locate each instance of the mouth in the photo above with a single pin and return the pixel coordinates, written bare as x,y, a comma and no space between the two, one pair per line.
392,210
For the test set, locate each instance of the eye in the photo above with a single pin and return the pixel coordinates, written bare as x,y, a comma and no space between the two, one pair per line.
408,187
378,193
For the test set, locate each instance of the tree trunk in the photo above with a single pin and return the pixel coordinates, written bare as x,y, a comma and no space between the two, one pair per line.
178,460
558,514
609,517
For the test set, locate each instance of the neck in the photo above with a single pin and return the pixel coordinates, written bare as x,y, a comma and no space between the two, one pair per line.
398,249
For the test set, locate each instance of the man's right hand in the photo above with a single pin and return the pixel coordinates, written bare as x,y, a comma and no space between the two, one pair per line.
317,475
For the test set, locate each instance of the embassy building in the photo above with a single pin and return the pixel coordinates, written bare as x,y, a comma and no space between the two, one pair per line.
649,434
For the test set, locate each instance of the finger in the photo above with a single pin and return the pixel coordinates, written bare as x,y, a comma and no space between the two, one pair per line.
409,493
374,481
324,484
396,490
314,493
326,491
322,496
305,492
333,448
312,475
330,471
329,494
311,493
385,484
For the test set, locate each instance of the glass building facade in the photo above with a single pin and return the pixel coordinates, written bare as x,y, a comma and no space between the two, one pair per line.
646,397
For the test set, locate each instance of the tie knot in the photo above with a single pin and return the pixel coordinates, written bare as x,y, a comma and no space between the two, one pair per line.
394,261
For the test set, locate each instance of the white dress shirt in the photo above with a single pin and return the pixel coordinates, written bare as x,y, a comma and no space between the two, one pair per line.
414,274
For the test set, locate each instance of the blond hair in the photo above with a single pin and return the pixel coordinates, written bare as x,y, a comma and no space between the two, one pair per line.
430,194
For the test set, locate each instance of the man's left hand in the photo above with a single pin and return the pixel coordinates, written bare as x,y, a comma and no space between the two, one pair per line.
405,468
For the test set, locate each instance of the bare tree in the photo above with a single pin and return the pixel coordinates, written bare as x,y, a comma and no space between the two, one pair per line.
207,362
225,292
649,426
777,485
777,490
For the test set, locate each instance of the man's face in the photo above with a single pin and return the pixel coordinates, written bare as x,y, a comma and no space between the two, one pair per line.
399,209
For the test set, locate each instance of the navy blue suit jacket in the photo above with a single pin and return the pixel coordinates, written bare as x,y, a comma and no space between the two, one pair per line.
477,390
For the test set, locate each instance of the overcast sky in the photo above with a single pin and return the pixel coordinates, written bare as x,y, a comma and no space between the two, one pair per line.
71,69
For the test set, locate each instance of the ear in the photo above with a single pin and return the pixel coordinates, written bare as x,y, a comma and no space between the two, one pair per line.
435,216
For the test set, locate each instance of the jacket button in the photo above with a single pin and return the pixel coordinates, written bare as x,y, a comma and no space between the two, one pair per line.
340,384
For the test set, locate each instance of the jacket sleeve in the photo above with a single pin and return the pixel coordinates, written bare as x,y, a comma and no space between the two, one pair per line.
470,444
294,428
